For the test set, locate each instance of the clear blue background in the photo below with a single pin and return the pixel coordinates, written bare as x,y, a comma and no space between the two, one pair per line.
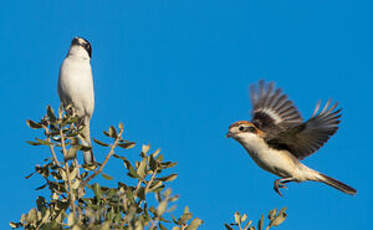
177,74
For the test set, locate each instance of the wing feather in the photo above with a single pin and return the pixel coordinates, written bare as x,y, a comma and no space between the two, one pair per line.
308,137
272,110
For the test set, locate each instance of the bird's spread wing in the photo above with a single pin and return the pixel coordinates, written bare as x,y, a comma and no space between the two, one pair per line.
308,137
272,111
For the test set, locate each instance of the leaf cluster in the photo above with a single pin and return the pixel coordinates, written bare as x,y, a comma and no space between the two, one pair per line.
275,219
75,202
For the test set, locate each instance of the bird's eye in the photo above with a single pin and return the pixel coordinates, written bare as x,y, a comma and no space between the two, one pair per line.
241,128
252,129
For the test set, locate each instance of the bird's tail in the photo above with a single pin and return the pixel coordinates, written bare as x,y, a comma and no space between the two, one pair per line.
336,184
88,156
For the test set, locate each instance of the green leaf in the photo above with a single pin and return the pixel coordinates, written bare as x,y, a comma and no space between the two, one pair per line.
162,227
260,223
30,175
160,158
41,187
272,214
33,124
248,224
51,114
127,145
119,157
132,172
152,163
243,218
100,142
279,218
185,217
32,216
162,207
171,209
14,225
97,190
168,178
141,193
70,219
156,152
178,222
195,224
71,153
168,164
43,142
237,217
33,143
106,176
141,169
113,132
145,148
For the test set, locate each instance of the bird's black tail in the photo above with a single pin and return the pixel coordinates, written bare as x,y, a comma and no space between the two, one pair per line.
337,184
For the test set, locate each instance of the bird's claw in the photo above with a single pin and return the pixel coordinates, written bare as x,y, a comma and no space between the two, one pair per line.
277,185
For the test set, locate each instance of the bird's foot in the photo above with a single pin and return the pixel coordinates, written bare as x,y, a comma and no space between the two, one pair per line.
277,185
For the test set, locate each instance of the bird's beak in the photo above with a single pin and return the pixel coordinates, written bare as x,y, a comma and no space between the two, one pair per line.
228,135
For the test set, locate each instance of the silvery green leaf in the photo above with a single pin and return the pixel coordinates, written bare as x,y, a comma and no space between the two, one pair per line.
145,148
168,178
260,223
121,126
51,114
141,169
33,124
195,224
247,225
127,145
162,207
107,177
243,218
272,214
279,218
237,217
100,142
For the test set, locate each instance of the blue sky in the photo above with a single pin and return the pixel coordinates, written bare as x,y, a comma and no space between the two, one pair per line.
176,73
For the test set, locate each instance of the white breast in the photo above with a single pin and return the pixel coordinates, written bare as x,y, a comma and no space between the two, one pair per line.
278,162
75,84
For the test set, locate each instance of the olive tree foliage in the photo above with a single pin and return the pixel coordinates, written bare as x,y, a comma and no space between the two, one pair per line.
76,202
142,204
241,222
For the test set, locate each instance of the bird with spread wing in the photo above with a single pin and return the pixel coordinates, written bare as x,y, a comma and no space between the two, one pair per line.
277,138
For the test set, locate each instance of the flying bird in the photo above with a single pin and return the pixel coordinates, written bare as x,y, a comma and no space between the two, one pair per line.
75,87
277,138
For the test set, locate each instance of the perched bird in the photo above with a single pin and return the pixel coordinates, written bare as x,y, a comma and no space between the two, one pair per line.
75,87
277,138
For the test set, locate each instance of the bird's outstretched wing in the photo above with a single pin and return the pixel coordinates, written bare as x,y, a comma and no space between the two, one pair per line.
272,111
308,137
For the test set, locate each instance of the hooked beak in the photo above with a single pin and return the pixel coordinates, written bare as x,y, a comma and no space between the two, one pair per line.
228,135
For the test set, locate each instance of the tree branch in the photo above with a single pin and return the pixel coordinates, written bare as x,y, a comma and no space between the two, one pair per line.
112,147
71,194
51,146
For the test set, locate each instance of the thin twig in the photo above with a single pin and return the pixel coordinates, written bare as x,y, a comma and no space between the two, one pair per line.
71,194
151,180
149,184
112,147
51,146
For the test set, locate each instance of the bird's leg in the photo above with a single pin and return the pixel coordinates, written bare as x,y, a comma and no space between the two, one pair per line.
280,183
